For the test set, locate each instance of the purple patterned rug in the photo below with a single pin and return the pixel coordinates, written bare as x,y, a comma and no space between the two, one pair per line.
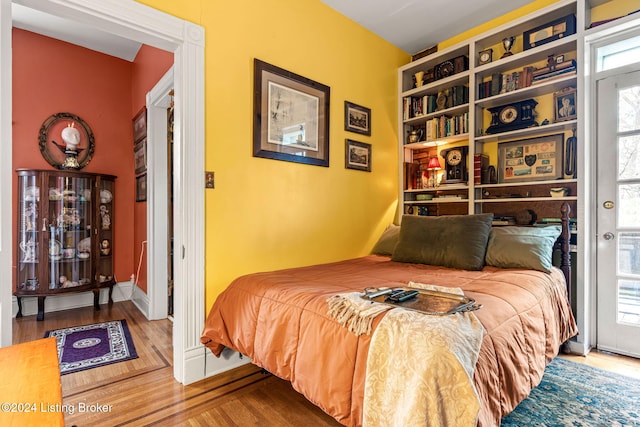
90,346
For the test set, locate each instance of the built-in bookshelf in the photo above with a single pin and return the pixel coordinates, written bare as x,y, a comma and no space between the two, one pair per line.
506,101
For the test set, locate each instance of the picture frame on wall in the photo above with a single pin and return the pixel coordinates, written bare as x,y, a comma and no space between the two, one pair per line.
141,188
533,159
565,105
140,156
357,155
357,118
140,125
291,116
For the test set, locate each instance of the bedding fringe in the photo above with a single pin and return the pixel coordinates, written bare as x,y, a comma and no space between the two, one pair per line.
354,313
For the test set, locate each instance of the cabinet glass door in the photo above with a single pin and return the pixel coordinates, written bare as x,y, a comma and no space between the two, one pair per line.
105,231
28,233
68,235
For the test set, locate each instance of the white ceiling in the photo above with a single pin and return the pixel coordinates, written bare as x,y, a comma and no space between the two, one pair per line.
414,25
411,25
73,32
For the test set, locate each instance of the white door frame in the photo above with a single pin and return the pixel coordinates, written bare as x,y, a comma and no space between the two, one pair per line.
158,101
592,41
6,174
138,22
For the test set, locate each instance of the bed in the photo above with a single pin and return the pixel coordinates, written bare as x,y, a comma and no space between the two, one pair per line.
281,321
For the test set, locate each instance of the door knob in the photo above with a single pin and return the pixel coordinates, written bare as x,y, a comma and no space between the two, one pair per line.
608,236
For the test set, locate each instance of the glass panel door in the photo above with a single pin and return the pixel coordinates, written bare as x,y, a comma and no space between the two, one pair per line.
618,284
105,231
68,236
28,233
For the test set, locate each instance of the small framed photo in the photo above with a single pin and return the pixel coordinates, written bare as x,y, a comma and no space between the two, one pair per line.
357,118
565,105
141,188
140,156
140,125
357,155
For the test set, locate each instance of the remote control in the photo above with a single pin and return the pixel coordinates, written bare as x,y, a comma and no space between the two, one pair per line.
403,296
379,292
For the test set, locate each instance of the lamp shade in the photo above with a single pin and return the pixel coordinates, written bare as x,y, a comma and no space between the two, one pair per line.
434,163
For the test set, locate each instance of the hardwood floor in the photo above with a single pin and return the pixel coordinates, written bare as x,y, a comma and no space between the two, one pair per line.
143,392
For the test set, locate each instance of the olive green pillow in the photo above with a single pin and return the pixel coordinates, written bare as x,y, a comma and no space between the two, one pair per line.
456,241
522,247
387,242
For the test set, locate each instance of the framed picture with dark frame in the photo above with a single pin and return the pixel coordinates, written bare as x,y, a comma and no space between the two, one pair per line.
140,156
140,125
565,105
357,155
290,116
141,188
534,159
357,118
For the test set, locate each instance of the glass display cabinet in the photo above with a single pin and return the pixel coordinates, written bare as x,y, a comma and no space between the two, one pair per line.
64,236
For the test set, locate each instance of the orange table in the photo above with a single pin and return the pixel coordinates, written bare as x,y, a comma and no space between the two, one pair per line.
30,388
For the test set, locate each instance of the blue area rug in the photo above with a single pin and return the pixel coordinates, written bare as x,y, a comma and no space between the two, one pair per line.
576,395
90,346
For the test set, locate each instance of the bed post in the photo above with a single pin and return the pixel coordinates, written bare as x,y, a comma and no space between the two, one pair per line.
565,240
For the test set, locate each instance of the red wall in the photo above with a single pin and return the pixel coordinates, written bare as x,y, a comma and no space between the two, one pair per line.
50,76
148,67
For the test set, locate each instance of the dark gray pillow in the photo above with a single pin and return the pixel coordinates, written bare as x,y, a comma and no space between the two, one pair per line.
388,241
456,241
522,247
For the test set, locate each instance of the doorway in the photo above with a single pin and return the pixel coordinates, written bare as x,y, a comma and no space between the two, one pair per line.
186,40
618,197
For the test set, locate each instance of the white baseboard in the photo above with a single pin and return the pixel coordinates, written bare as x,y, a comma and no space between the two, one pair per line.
121,292
200,363
141,300
228,360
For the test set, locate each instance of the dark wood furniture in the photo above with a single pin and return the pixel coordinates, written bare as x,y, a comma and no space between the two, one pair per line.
64,236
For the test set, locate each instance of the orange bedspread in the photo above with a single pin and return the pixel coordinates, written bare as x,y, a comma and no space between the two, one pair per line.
279,319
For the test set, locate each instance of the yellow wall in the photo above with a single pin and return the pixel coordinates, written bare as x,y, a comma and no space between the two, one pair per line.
614,9
267,214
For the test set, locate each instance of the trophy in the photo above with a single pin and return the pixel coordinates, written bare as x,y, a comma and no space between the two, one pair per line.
507,42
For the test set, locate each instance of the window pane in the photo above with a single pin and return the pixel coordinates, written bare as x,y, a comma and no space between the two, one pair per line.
629,211
618,54
629,253
629,109
629,302
629,157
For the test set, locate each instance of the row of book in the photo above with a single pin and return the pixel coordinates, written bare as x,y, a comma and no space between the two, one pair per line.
503,83
444,126
427,104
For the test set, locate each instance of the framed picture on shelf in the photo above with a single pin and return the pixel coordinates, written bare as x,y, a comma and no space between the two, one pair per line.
357,118
290,116
141,188
534,159
357,155
565,105
140,156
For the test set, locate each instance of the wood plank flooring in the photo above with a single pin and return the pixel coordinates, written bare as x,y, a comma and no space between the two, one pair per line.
143,392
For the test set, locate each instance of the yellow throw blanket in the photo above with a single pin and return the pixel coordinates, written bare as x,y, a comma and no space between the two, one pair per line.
420,369
355,313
